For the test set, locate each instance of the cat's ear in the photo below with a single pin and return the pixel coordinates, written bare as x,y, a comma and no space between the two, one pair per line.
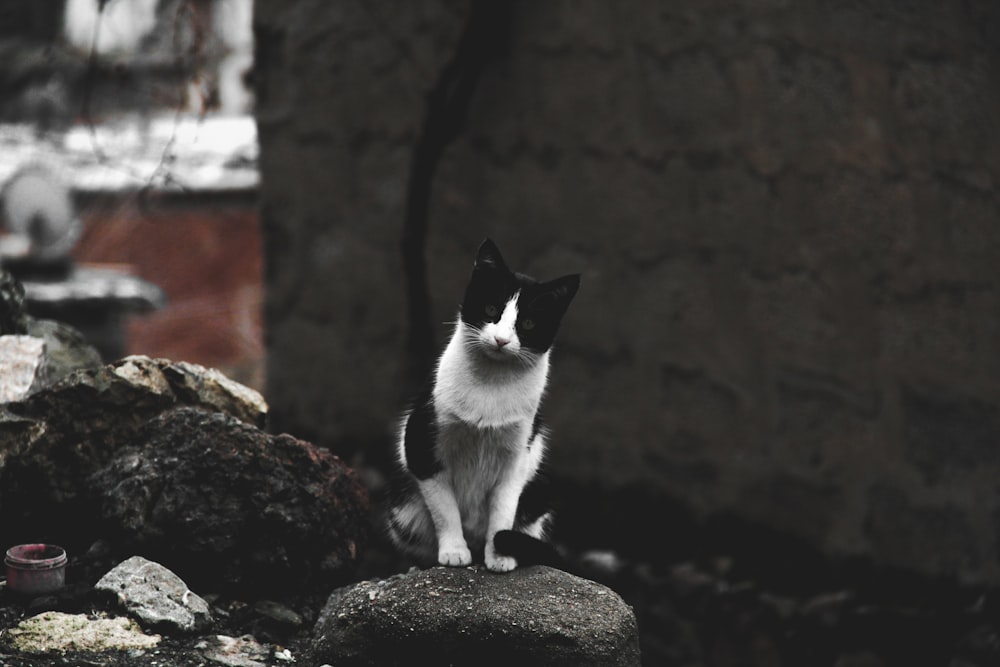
562,290
489,257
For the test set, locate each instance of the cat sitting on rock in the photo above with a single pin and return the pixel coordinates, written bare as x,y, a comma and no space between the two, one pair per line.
471,447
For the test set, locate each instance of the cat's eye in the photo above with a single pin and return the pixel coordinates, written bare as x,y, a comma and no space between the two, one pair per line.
491,311
528,325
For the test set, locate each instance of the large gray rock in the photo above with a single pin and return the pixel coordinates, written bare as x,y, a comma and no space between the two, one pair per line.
225,504
55,439
155,596
531,616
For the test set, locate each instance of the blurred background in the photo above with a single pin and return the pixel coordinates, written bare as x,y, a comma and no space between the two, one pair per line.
787,217
135,115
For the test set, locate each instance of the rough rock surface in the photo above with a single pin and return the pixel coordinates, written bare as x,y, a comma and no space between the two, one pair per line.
167,459
13,315
49,352
22,363
155,596
52,441
57,632
532,616
65,349
221,503
234,651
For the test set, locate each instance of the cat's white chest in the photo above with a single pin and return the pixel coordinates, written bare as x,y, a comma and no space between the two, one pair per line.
486,394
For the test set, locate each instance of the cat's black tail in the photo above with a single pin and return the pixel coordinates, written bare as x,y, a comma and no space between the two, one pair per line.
528,550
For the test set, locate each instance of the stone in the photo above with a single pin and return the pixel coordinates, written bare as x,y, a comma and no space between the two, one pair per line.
155,596
57,632
531,616
223,503
65,350
234,651
144,387
13,315
50,352
194,384
55,439
22,363
16,433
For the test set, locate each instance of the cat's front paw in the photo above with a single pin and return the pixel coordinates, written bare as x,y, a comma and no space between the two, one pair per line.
497,563
457,555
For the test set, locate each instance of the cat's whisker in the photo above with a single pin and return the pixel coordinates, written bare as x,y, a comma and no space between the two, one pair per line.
526,359
471,339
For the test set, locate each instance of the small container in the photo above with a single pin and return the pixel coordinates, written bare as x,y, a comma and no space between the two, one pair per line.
35,569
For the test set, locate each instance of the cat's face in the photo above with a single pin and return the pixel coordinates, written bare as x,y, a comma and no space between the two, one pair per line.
509,316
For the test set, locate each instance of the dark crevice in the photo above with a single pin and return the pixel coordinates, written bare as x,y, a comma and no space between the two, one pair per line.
485,37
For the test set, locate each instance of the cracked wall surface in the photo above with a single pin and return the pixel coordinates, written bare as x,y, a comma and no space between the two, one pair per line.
786,214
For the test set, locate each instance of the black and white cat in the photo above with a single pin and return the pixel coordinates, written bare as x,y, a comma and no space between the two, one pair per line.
471,447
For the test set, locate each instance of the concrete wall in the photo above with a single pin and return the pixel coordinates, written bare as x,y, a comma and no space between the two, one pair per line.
786,214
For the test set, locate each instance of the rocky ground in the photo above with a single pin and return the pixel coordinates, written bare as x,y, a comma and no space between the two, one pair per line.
711,613
754,600
717,612
244,511
247,632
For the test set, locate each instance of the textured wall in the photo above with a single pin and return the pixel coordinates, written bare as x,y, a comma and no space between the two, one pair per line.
340,98
787,216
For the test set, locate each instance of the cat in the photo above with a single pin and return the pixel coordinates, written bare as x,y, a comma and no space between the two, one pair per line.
471,448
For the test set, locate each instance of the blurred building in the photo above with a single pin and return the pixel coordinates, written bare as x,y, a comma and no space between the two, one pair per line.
142,108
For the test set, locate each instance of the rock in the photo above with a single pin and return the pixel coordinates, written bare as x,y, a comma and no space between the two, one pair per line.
15,434
49,352
235,651
13,314
112,400
531,616
22,363
155,596
167,460
55,439
197,385
65,350
56,632
223,503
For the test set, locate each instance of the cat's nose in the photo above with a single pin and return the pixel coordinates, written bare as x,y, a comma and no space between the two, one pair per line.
501,341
